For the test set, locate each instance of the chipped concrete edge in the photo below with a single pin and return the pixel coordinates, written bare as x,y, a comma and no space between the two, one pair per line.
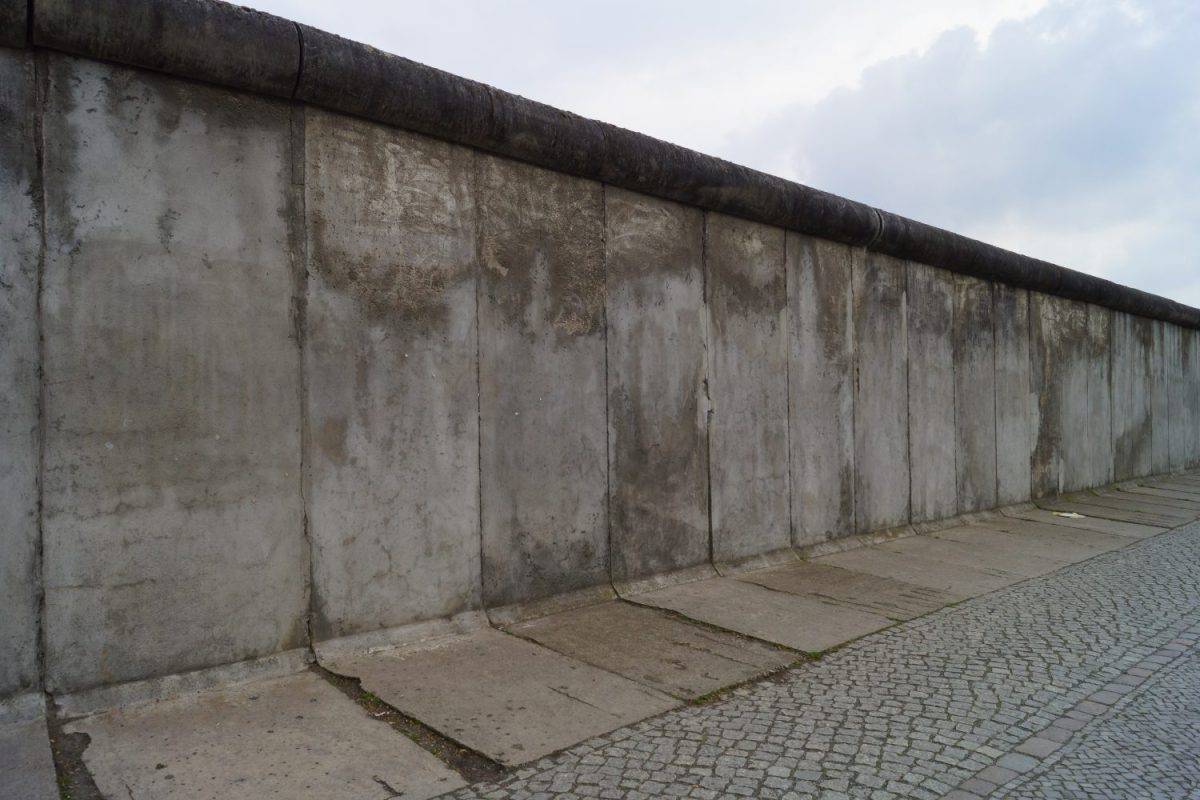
371,642
25,707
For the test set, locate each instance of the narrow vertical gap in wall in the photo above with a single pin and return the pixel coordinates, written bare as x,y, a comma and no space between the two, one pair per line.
708,368
41,80
608,435
298,216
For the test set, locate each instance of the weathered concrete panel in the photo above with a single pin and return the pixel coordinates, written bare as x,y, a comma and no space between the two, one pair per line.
748,387
975,393
821,385
1099,407
1190,357
1059,376
657,419
543,460
931,390
881,466
390,353
20,245
1016,402
173,524
1177,399
1160,401
1132,385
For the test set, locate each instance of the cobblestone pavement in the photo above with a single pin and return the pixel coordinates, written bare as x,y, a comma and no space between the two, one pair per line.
1083,683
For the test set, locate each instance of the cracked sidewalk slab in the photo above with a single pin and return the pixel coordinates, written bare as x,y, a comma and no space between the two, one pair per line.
955,579
507,698
281,738
1086,522
654,648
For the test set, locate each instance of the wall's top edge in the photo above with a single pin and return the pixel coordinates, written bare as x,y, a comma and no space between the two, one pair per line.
232,46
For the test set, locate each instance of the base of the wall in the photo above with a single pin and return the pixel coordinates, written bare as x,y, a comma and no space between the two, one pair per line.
523,612
664,580
123,695
390,638
774,558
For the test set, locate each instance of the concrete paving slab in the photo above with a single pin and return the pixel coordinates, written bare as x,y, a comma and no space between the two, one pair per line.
955,579
655,648
1080,543
884,596
1168,494
1106,511
283,738
26,766
800,622
1053,550
977,554
1174,486
1087,522
502,696
1171,500
1154,505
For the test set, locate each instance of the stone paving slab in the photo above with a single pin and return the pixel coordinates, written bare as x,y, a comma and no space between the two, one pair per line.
890,598
26,766
976,554
655,648
502,696
1051,550
282,738
800,622
954,579
1129,530
1093,508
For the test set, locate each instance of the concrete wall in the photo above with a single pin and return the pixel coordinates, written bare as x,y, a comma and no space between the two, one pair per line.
305,375
20,240
172,514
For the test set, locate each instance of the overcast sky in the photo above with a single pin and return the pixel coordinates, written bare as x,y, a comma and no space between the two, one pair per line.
1065,129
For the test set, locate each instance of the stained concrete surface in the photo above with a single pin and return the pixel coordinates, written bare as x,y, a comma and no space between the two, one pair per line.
1132,351
1152,491
821,387
881,446
931,392
974,394
1164,499
26,766
285,738
390,350
747,299
657,418
884,596
1059,374
20,244
800,622
654,648
1087,522
955,579
172,516
543,432
1099,420
502,696
1015,401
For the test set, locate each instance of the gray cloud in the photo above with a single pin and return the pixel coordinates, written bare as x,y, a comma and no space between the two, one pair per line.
1072,135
